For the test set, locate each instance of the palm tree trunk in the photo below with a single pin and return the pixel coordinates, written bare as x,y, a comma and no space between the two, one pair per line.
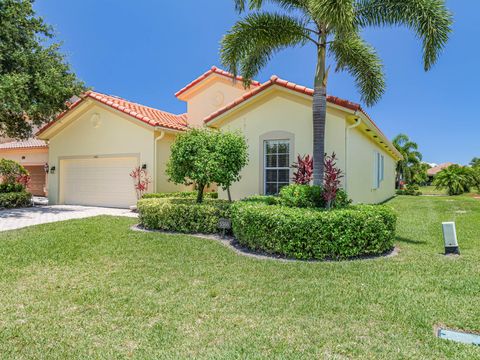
319,115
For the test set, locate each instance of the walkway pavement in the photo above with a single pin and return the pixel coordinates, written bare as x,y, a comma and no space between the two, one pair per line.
19,218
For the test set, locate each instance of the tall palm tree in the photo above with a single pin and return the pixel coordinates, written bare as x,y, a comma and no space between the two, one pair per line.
411,157
333,27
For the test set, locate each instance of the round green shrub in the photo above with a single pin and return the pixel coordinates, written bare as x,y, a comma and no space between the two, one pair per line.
310,196
301,233
411,190
183,215
302,196
11,187
15,199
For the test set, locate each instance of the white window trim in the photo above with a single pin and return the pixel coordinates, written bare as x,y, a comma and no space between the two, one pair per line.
266,168
272,135
378,169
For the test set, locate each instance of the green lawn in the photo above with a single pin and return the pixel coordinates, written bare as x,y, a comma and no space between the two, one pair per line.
93,288
431,190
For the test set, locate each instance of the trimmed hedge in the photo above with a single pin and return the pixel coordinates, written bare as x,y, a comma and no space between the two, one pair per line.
11,187
180,194
15,199
263,199
310,196
359,230
183,215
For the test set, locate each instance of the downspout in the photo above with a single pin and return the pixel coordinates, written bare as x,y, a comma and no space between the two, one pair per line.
358,121
159,137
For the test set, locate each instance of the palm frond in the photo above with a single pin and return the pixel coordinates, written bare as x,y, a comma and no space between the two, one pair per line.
250,44
243,5
360,60
336,15
430,20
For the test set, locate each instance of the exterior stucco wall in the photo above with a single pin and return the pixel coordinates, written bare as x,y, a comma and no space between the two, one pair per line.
32,156
89,135
211,96
361,170
163,155
279,114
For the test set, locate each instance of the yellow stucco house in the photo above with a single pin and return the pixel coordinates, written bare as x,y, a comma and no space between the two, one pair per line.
96,143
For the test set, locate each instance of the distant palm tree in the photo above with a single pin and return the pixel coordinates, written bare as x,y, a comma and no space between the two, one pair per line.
411,157
333,26
475,162
456,179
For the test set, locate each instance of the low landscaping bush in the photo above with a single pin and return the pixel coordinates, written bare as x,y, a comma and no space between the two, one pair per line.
11,187
314,234
180,194
15,199
183,215
302,196
263,199
307,196
411,190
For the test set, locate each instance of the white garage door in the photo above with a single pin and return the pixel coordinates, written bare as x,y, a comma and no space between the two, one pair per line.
98,182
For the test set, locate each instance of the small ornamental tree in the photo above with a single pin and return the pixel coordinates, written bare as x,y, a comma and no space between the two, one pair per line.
141,180
12,172
331,179
303,174
202,157
231,157
192,160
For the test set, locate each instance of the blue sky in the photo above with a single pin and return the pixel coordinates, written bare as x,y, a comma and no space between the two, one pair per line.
146,50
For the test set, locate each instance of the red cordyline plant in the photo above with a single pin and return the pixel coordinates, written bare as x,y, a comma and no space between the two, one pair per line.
304,170
24,180
331,179
141,180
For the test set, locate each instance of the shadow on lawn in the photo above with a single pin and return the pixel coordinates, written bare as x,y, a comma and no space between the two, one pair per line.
404,240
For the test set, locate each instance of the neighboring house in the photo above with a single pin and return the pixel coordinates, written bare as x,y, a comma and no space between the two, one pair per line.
433,171
96,143
33,155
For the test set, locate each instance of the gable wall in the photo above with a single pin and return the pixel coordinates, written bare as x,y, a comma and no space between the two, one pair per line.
88,135
279,115
210,97
361,170
283,113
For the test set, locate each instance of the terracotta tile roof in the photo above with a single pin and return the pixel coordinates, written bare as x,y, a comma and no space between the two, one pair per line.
213,70
436,169
148,115
26,144
275,80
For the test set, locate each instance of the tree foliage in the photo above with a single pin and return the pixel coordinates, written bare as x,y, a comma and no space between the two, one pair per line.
12,172
202,157
35,79
475,162
411,162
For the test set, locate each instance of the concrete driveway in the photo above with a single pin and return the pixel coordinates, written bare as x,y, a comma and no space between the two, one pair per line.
19,218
